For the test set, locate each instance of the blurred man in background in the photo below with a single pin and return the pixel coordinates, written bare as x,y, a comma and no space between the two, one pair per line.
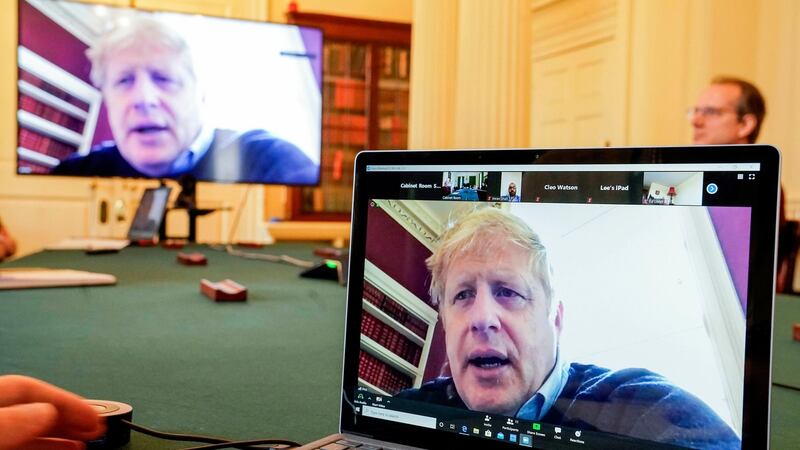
731,111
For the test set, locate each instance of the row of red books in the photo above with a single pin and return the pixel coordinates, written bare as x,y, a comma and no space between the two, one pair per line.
32,140
345,136
390,339
49,113
395,63
346,94
393,100
338,164
393,122
393,139
338,155
377,373
53,90
345,121
345,59
394,310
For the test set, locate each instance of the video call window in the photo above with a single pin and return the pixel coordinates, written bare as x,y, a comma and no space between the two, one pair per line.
510,187
470,186
107,91
673,188
632,301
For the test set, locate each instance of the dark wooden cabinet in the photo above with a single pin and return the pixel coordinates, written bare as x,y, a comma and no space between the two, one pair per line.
365,104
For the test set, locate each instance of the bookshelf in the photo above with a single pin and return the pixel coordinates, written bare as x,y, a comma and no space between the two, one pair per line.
396,334
365,104
57,113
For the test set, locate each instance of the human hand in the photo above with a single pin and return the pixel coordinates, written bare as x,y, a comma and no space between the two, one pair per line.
8,246
35,415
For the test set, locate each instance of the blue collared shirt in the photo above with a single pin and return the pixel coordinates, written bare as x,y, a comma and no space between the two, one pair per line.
540,403
188,158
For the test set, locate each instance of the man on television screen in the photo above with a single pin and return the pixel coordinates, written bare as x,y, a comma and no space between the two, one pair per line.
155,111
491,281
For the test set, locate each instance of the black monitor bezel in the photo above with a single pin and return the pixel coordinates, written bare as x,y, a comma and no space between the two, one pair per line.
758,344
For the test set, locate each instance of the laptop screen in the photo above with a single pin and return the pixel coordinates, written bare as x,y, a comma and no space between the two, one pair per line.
150,214
561,303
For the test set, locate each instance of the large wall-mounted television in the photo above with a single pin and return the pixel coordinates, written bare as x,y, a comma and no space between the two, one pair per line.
119,92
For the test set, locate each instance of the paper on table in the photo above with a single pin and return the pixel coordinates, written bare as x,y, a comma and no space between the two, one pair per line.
22,278
89,244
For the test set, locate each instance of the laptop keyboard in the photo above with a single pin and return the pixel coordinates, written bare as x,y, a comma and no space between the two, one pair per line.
343,444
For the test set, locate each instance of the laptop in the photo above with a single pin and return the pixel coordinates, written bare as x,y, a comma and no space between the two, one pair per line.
560,299
149,215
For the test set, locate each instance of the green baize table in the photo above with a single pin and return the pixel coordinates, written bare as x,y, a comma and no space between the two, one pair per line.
267,368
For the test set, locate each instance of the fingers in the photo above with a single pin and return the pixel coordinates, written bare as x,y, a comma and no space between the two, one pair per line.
74,418
54,444
21,424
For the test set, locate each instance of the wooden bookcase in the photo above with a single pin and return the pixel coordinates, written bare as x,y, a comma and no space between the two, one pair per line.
365,104
396,334
57,113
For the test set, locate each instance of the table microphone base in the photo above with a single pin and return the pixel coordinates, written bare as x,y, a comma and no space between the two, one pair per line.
117,433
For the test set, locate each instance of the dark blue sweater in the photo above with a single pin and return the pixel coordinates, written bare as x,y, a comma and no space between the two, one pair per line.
258,157
630,402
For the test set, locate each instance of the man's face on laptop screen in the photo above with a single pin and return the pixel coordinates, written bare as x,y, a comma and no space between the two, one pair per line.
500,335
499,330
645,319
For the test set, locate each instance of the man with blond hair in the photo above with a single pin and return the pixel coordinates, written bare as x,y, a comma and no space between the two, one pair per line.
492,283
152,94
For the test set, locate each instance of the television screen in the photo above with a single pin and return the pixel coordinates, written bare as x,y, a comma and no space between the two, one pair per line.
110,92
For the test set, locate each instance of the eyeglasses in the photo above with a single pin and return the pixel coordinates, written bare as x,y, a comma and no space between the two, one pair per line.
707,111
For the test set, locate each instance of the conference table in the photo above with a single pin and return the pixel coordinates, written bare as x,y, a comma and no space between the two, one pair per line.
269,367
266,368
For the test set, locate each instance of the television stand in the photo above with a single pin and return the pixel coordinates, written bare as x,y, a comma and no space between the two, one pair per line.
187,199
193,213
